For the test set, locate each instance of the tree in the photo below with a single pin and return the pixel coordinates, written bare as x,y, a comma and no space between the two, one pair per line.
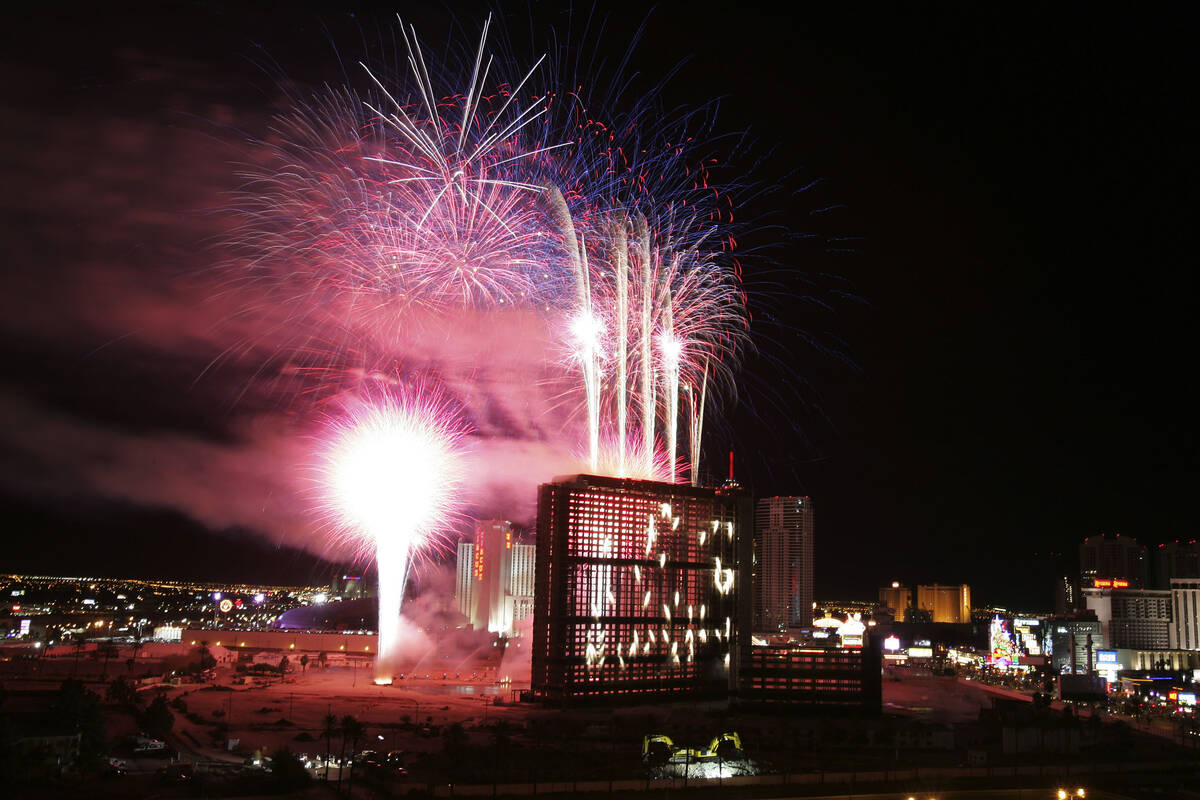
288,770
355,730
304,662
329,726
120,690
79,643
78,710
137,648
108,650
454,739
206,660
158,718
344,727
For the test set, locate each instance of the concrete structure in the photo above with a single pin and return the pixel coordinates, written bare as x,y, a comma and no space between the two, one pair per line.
639,589
783,556
898,598
1138,619
1112,558
946,603
1185,614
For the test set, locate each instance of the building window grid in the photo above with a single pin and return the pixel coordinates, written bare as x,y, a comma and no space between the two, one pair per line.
612,527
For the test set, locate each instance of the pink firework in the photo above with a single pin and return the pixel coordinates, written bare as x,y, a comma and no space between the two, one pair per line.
392,469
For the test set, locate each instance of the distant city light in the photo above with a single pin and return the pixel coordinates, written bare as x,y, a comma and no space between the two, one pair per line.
320,598
260,598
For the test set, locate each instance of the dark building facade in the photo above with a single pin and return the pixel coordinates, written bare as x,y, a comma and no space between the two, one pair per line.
783,563
1176,561
641,590
820,678
1112,558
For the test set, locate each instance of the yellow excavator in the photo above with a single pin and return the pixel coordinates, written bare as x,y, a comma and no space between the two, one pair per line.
659,747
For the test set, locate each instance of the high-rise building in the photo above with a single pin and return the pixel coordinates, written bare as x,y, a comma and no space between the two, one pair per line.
1072,642
1136,619
464,579
1065,595
638,587
898,598
1176,560
1185,614
946,602
494,578
1112,558
521,581
493,557
783,555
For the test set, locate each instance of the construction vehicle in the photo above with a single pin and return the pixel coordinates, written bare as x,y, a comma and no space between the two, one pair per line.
661,749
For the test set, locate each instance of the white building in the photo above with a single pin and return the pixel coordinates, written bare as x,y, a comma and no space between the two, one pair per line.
464,579
1185,613
520,583
783,568
1135,619
494,578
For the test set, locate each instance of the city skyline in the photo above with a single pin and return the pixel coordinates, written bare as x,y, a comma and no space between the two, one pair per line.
991,376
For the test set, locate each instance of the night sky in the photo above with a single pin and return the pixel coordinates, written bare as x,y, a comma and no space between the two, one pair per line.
1000,225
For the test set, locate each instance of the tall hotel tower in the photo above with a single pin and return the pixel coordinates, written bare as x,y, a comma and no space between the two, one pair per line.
640,590
783,555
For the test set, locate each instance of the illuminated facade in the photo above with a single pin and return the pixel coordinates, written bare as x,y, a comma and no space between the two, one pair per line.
898,598
1072,642
946,602
638,586
521,581
464,579
494,578
783,569
1139,619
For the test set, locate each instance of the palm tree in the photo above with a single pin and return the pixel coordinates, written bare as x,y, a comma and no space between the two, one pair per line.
347,723
329,727
137,647
355,730
108,649
78,649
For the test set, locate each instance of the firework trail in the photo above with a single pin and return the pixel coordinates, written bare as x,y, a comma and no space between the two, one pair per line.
391,469
409,202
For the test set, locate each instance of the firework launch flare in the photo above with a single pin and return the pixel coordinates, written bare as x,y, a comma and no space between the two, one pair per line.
392,472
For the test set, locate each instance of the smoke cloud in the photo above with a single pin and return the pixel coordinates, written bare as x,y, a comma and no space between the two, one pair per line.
138,369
